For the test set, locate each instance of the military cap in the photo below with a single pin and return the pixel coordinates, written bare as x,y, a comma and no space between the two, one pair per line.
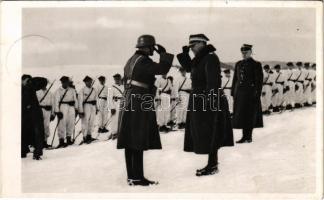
299,63
277,66
101,78
25,76
227,71
290,64
314,65
87,78
117,76
266,67
39,82
246,47
306,64
64,79
197,38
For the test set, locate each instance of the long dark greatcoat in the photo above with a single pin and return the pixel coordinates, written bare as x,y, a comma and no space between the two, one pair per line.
137,126
32,121
207,128
246,91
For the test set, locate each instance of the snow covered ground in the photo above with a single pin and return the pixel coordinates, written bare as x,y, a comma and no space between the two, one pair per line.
280,160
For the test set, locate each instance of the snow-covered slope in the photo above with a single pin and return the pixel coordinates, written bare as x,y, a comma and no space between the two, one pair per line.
280,159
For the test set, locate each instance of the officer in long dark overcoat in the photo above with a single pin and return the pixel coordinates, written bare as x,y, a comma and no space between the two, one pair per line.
246,92
208,124
137,125
32,118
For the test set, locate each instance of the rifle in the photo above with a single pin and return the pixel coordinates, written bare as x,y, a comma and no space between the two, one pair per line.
40,101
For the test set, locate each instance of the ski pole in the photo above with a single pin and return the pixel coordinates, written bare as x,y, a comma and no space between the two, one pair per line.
58,121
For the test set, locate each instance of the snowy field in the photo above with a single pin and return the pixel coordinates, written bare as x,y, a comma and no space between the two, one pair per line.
281,159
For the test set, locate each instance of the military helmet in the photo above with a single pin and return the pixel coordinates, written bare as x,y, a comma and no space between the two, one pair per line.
145,41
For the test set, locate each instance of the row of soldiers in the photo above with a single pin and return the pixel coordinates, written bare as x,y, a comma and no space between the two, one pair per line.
282,89
68,104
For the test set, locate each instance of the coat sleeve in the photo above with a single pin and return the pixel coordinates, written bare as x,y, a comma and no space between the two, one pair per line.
234,80
80,101
57,98
162,67
212,73
258,74
185,61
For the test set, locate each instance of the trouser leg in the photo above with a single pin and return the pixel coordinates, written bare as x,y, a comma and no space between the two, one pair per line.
213,158
129,163
247,133
138,169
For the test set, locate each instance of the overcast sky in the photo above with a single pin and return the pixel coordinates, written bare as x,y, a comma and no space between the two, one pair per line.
107,36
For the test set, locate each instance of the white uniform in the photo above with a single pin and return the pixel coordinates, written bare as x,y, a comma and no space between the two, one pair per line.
268,79
227,87
88,106
47,106
290,94
67,105
163,110
279,83
174,100
102,105
309,75
313,90
115,95
183,87
299,98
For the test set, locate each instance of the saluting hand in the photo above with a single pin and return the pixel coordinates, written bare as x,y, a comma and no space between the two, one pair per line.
160,49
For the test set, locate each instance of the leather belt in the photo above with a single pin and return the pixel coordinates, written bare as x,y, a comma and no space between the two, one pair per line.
137,83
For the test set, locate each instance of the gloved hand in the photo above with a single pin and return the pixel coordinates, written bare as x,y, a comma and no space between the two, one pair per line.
59,115
160,49
113,111
81,114
185,49
52,117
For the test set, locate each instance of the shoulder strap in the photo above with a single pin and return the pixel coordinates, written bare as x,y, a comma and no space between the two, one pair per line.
86,99
61,100
182,83
226,83
290,75
101,90
46,93
130,73
278,77
167,83
118,89
267,78
299,75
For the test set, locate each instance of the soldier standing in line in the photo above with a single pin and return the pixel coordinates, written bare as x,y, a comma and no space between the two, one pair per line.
65,107
102,104
227,79
46,102
88,109
173,103
163,111
208,125
266,95
246,91
183,88
307,85
278,88
137,127
313,84
116,95
290,87
299,86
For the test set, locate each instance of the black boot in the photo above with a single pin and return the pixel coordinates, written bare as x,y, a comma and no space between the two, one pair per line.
62,144
47,146
208,171
100,130
104,130
139,182
68,140
37,157
88,139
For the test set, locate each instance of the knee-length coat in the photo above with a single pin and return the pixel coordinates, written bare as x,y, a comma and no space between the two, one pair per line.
137,125
207,128
246,92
